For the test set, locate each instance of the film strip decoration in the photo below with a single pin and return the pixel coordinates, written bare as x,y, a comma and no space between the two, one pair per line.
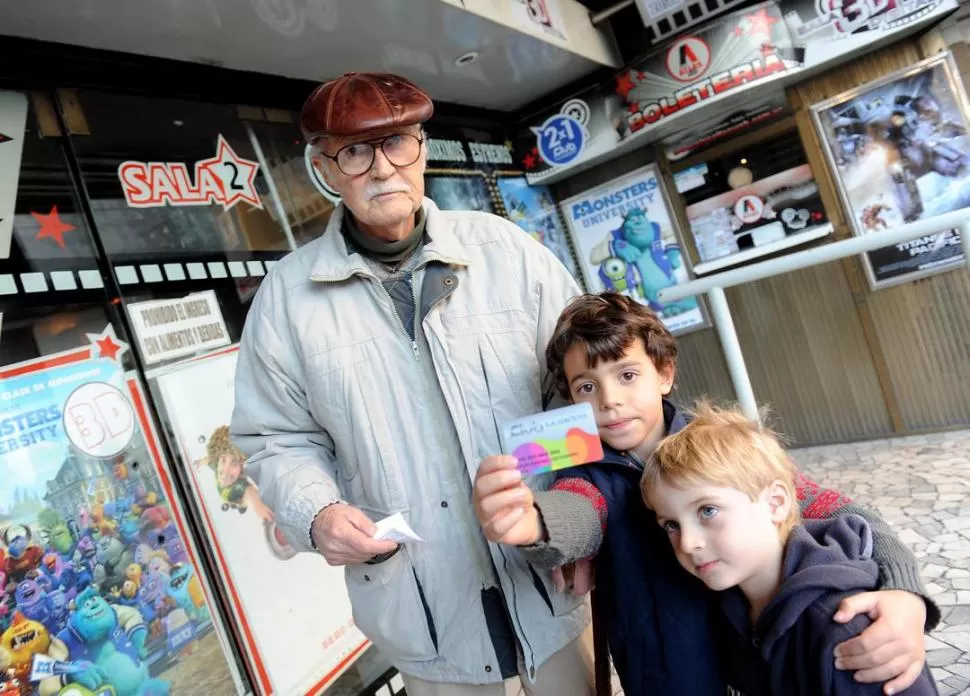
668,24
434,179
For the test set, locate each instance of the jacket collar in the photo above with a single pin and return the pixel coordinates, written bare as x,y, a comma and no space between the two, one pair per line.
334,262
674,422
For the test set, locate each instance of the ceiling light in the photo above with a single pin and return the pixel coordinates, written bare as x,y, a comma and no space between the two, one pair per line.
744,160
466,58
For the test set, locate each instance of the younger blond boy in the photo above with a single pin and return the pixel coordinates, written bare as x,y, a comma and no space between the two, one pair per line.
723,490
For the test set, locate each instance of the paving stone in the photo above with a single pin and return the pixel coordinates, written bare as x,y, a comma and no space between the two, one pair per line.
942,657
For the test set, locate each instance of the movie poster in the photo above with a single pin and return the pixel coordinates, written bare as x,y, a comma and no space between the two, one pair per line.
293,608
900,151
460,192
98,585
626,242
534,210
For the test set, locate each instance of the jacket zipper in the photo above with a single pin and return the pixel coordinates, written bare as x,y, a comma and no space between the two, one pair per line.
400,322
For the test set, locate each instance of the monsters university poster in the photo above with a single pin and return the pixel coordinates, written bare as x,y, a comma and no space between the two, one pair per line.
626,242
99,588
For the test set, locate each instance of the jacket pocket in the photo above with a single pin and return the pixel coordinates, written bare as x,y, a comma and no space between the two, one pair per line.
559,603
391,609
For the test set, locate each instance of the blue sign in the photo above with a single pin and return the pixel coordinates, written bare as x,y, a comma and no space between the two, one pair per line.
560,140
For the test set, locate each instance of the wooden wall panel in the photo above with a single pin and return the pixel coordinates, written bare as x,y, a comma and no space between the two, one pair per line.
807,356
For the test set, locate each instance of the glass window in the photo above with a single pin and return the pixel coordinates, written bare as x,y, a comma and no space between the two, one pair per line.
91,521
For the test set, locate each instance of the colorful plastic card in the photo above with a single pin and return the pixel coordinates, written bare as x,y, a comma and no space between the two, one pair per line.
553,440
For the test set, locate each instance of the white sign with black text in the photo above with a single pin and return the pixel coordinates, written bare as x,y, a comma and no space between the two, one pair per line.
182,326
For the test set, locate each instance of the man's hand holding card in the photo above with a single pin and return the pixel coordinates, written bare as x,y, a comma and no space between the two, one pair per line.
532,445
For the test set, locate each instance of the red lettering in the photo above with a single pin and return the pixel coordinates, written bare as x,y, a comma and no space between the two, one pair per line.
210,188
162,185
134,183
183,184
686,97
722,82
635,121
653,113
86,421
743,73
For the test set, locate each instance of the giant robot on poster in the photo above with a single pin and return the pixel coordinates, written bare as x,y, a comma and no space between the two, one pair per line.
911,130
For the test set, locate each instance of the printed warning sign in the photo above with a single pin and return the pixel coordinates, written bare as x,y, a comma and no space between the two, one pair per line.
168,329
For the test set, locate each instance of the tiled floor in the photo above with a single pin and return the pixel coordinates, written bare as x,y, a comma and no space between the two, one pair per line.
922,486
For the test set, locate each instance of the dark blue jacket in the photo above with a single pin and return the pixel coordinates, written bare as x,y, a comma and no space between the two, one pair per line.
659,619
789,651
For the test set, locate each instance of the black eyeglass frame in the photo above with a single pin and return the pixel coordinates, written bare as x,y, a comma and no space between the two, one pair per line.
374,143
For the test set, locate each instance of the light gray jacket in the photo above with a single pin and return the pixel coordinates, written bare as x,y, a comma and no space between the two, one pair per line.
329,407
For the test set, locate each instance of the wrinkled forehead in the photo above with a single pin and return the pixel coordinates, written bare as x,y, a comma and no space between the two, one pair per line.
331,143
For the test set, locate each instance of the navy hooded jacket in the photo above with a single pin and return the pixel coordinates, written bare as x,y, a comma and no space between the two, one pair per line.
658,618
789,651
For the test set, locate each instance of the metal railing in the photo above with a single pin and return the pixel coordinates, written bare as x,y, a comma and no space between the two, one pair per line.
713,286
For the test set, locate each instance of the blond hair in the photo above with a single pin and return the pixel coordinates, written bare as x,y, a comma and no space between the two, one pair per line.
723,447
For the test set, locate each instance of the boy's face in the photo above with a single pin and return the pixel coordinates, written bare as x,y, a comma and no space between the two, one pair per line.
229,470
721,535
626,395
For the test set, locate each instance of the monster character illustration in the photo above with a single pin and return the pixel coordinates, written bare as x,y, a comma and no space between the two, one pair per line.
184,587
619,276
112,638
60,610
227,462
159,567
24,639
23,555
639,243
33,602
113,562
153,602
58,574
872,217
61,534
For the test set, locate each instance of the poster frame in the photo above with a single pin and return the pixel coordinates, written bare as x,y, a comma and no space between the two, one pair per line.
108,345
570,242
498,208
942,60
675,228
235,605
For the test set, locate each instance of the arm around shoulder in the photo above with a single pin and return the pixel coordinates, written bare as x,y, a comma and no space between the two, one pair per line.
291,457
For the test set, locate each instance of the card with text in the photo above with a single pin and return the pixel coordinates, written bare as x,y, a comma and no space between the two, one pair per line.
553,440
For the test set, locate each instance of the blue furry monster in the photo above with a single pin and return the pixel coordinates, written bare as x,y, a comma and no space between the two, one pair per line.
113,639
639,243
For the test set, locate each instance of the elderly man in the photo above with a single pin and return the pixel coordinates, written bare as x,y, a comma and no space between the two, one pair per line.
376,365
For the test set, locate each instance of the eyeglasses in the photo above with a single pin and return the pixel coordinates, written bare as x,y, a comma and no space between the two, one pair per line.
400,149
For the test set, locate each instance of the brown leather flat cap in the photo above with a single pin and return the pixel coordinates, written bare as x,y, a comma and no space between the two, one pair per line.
359,102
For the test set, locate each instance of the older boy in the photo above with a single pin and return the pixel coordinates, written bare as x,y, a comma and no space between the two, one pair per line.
616,354
723,490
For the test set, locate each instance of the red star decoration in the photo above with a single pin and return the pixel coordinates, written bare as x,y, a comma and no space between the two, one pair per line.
52,226
624,85
760,22
529,161
641,76
107,348
106,344
237,175
633,107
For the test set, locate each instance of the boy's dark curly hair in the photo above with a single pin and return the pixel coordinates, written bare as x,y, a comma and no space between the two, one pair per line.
605,325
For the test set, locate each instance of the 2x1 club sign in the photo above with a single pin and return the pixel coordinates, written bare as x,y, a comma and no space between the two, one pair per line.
225,179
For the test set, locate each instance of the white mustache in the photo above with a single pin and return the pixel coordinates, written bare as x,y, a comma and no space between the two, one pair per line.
372,191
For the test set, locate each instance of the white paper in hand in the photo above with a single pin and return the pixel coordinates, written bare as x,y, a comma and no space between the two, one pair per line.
396,529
